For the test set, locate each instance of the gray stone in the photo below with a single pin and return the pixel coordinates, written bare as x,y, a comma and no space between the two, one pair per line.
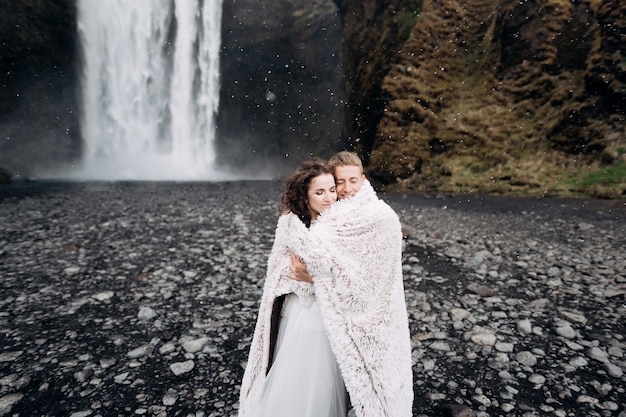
170,397
567,332
146,313
8,401
526,358
598,354
179,368
613,370
524,327
194,345
140,351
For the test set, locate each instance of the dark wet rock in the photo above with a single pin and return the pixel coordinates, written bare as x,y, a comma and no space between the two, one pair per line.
5,175
456,410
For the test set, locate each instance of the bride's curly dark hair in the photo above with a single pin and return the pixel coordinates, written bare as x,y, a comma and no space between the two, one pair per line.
295,198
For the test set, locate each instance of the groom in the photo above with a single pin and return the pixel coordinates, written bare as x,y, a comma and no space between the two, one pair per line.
353,257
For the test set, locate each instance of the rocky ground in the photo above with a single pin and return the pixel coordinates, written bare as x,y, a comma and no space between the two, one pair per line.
140,299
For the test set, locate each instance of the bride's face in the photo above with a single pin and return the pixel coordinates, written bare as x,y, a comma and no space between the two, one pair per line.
321,194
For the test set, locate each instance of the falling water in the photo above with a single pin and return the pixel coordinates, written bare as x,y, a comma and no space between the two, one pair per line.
150,88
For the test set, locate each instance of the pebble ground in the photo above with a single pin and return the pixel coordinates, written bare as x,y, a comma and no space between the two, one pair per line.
126,299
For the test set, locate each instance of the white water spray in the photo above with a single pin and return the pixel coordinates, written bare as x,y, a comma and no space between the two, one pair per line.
150,88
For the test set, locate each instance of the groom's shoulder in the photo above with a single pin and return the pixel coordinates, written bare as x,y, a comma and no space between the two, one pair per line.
379,202
389,210
382,207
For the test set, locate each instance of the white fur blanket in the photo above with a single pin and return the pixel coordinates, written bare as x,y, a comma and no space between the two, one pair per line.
353,252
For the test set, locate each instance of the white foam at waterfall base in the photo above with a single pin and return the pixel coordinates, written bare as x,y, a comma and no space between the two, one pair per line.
147,166
150,89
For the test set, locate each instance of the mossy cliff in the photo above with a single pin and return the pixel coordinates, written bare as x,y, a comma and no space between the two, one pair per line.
489,96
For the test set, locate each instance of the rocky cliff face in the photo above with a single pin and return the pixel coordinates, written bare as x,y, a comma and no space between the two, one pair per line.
280,88
38,82
493,96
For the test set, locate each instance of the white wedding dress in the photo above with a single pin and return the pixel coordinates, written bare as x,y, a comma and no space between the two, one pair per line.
304,380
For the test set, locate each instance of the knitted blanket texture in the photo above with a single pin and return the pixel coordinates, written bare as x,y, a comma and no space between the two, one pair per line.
353,251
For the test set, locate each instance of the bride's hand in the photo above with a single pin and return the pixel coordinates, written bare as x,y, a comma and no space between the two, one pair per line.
298,270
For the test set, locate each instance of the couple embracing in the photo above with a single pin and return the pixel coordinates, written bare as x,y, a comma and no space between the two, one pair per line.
332,331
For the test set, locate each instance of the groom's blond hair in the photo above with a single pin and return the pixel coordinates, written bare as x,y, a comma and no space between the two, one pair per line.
344,158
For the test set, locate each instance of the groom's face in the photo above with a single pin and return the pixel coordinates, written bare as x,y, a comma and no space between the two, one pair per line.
349,180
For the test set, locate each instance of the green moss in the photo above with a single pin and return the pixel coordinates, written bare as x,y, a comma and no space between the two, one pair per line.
607,182
613,175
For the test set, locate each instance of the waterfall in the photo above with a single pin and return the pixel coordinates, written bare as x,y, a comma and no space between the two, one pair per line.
150,88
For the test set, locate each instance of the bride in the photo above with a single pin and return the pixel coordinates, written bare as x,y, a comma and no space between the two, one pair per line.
292,370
